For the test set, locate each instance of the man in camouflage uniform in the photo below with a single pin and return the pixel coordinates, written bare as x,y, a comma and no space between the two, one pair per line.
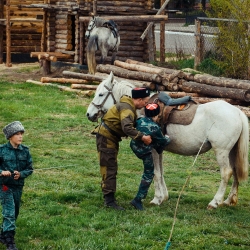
15,166
147,126
118,122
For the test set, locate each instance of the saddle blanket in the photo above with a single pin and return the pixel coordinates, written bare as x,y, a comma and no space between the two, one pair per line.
182,114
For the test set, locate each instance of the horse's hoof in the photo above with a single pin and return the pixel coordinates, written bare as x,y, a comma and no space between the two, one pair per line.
155,201
210,207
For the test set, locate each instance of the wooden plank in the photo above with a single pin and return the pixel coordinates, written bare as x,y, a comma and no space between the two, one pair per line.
57,54
141,18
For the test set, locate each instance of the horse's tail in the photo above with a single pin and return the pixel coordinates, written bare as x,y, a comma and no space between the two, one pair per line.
241,160
91,49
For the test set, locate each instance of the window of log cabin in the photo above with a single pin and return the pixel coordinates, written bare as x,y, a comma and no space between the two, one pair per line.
72,31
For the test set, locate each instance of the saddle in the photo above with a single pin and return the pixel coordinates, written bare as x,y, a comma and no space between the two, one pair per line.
178,111
110,24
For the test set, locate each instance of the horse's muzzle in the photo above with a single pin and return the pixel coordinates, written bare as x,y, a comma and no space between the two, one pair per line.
92,118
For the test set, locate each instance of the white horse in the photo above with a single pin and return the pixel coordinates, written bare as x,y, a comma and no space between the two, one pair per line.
217,125
103,35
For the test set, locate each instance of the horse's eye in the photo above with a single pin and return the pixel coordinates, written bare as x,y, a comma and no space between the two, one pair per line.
100,94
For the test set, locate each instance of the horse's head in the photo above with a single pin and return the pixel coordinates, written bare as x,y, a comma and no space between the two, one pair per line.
91,25
103,99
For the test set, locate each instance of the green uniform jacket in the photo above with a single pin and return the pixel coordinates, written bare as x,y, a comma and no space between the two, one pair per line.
121,119
12,159
147,126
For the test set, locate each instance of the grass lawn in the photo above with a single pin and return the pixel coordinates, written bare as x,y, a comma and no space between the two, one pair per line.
62,202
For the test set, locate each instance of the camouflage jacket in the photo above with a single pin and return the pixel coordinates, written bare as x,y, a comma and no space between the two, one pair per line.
121,120
148,127
12,159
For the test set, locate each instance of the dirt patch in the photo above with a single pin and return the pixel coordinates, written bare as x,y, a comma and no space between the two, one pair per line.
21,72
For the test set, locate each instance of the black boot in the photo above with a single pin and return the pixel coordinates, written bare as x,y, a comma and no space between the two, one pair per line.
137,204
9,238
110,202
2,238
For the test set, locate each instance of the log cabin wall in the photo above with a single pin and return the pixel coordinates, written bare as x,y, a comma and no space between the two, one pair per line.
26,27
131,45
62,28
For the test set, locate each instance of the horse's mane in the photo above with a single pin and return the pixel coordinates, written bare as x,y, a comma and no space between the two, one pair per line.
123,88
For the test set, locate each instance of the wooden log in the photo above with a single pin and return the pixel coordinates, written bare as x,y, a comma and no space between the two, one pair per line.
238,94
182,94
67,80
209,99
137,83
83,86
137,67
63,88
129,74
83,76
167,71
246,110
172,86
222,81
174,73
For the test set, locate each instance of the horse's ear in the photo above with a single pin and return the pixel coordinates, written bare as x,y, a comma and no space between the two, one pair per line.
111,77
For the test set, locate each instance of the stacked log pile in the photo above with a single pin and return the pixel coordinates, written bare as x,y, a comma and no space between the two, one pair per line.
202,87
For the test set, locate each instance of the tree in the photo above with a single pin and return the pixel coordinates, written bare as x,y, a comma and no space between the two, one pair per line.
233,41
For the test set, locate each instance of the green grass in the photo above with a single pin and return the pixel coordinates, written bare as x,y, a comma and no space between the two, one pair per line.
63,206
28,69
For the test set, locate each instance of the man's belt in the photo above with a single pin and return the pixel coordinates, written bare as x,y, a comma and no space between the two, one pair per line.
112,132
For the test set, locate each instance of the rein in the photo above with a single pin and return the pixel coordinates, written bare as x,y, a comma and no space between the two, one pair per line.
92,27
99,106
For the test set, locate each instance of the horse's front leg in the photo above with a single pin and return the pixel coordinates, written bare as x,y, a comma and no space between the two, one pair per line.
161,192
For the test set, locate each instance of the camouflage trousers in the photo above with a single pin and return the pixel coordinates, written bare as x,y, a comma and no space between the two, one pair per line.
107,152
147,177
10,201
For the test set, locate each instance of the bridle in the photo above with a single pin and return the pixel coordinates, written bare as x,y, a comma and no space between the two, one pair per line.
100,106
89,29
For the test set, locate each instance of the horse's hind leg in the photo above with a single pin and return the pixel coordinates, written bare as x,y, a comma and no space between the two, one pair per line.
113,57
161,192
226,173
232,198
104,54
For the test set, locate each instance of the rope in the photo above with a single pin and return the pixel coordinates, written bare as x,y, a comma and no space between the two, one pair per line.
178,201
54,167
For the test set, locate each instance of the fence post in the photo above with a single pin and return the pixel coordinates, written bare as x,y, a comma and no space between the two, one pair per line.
197,59
248,73
151,47
162,37
1,31
8,35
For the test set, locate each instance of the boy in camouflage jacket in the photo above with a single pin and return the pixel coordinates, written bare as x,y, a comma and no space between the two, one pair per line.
15,166
147,126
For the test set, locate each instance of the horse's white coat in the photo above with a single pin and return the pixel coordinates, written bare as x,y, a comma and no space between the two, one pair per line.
100,38
223,127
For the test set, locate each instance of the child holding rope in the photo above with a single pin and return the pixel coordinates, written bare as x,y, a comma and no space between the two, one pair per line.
15,166
147,125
